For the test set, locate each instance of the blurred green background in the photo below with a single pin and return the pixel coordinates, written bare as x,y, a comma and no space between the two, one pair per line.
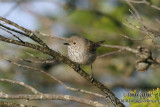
94,19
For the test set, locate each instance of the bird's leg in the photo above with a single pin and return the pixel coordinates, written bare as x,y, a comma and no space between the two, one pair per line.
91,75
78,68
91,71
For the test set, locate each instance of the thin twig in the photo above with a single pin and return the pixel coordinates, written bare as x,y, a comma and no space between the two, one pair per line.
54,97
139,29
138,19
33,56
22,84
148,32
29,32
50,36
54,78
14,30
110,53
129,38
147,3
11,34
120,47
47,61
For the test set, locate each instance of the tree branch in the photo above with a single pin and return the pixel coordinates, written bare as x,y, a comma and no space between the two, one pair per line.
121,47
9,104
54,97
29,32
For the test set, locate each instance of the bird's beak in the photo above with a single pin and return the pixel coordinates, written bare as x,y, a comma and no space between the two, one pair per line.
66,43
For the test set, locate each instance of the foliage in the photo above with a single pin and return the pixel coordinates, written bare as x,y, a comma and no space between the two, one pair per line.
140,99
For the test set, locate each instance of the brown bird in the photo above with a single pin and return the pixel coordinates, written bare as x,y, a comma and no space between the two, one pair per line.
81,50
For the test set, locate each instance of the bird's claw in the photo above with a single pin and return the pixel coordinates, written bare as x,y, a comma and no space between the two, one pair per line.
78,68
91,77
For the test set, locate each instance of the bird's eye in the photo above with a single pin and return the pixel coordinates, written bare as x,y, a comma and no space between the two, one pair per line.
74,43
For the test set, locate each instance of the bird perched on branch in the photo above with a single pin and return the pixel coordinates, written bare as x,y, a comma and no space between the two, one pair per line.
81,50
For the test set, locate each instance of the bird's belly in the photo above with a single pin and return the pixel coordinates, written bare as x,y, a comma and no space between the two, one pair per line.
82,58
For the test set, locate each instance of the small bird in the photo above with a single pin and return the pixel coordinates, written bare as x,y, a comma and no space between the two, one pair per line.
82,51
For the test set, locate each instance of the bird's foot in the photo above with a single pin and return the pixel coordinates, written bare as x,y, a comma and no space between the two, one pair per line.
78,68
91,77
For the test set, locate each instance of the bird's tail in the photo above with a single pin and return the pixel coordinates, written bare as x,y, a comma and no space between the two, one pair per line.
99,43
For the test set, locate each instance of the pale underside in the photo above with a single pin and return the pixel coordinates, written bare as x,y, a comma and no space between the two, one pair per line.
81,57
